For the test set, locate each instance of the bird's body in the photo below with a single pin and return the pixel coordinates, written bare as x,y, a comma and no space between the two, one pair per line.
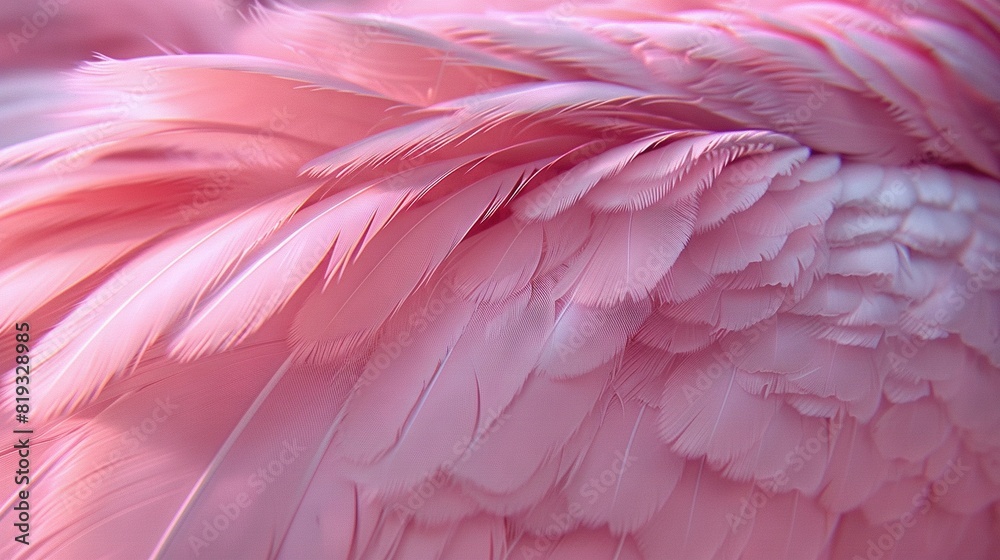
626,283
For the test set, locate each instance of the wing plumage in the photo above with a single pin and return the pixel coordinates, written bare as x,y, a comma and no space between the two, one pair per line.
711,284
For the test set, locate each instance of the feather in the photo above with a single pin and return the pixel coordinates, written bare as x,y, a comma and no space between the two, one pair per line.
559,193
790,525
425,67
682,168
36,281
338,226
492,468
395,263
498,262
689,526
910,431
733,245
112,459
468,392
706,413
934,232
615,483
571,346
428,339
628,253
855,469
147,288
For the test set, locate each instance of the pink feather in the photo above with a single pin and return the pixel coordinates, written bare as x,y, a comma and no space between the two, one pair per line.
516,279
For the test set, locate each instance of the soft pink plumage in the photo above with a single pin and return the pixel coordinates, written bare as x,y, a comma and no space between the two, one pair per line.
631,281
